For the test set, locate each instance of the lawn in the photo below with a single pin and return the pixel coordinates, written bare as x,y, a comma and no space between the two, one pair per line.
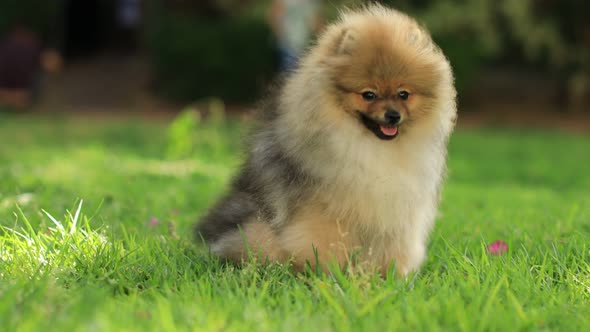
96,222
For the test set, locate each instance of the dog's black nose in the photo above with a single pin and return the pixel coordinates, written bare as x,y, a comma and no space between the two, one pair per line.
392,116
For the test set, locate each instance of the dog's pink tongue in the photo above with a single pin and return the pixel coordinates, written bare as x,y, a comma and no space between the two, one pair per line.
389,131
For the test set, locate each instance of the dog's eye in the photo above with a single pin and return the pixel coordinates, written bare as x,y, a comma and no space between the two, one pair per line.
403,95
369,96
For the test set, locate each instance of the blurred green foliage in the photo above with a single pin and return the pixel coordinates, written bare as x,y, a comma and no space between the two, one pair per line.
191,131
551,36
36,15
180,143
198,56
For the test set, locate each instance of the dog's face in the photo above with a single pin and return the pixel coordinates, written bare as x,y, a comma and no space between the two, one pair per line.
385,82
382,107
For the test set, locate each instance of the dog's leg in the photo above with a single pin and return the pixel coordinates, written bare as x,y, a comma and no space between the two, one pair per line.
255,239
311,237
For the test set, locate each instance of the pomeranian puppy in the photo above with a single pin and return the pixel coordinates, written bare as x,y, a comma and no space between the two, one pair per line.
349,157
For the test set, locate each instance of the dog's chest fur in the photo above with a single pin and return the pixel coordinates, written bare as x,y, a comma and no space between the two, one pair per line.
380,197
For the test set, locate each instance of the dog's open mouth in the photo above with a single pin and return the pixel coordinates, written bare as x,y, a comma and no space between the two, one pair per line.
382,131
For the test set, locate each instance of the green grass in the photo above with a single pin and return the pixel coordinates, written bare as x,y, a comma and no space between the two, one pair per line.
96,218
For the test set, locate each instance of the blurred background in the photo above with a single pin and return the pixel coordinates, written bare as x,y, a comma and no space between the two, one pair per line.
524,62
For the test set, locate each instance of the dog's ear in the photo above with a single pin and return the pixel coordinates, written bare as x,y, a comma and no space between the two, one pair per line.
345,42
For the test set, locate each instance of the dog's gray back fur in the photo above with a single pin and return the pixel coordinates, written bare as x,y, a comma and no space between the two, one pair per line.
267,175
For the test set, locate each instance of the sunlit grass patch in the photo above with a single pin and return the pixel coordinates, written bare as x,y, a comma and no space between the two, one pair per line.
62,249
70,251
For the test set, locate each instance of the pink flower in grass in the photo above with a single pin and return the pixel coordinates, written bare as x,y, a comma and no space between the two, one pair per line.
153,222
498,248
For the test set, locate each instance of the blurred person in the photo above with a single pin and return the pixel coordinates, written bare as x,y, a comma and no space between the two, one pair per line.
21,60
20,56
129,20
293,23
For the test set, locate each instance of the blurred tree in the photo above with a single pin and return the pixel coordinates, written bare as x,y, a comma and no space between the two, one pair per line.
549,35
38,16
203,50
